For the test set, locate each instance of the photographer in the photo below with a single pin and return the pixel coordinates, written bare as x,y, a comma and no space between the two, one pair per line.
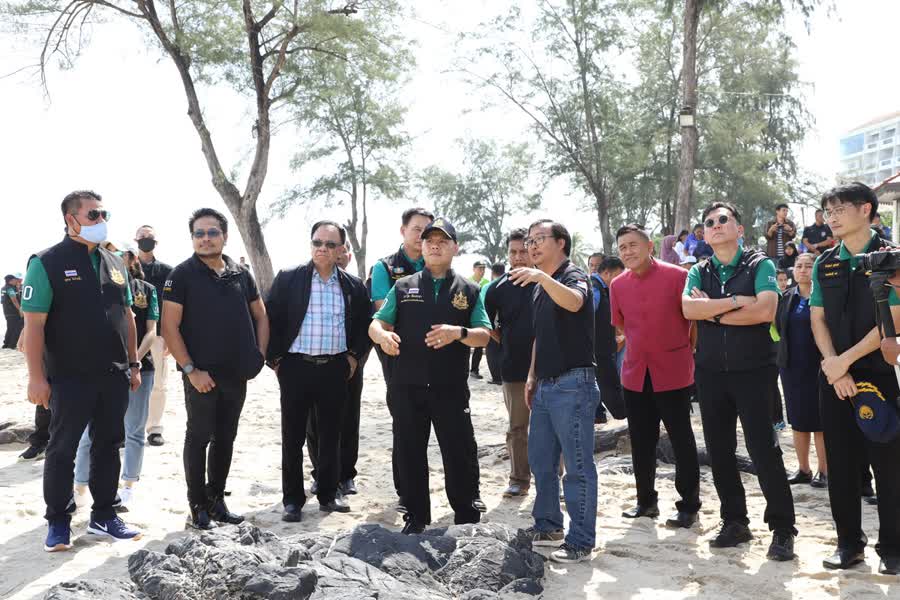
843,318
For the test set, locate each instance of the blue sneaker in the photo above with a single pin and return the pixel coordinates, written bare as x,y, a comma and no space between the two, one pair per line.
59,536
114,528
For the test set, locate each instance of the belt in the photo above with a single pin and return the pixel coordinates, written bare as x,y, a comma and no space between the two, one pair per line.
321,359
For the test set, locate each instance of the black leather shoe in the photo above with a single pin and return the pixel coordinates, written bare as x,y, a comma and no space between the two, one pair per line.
478,504
292,514
684,520
800,477
219,512
601,419
867,490
348,487
337,505
730,535
871,500
889,565
412,527
651,511
155,439
475,374
844,559
782,547
199,518
820,481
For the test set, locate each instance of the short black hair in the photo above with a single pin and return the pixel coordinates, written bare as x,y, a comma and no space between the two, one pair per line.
697,226
208,212
409,213
727,206
780,272
856,193
781,205
597,254
819,210
498,269
632,228
326,223
681,233
611,263
558,230
518,234
72,202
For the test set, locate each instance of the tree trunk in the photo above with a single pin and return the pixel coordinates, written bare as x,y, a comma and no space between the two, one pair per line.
251,232
689,135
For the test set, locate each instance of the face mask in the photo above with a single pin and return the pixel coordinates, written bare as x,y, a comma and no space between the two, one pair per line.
95,234
146,244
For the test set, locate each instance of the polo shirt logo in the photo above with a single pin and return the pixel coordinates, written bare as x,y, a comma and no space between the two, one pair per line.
460,302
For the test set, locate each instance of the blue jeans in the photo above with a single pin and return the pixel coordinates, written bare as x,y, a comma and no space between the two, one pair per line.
620,358
562,420
135,421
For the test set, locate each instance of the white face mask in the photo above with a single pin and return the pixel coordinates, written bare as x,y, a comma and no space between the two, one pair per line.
95,234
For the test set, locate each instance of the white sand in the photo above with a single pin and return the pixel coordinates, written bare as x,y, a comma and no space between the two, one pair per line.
634,560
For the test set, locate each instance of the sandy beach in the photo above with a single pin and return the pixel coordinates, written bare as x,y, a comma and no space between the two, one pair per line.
640,559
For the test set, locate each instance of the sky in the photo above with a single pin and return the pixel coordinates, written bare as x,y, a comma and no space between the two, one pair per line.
117,123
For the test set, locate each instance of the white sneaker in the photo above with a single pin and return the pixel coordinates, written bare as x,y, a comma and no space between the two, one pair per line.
81,498
127,496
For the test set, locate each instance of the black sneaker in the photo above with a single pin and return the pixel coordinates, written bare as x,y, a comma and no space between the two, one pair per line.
219,513
478,504
545,538
412,527
568,553
800,477
155,439
782,547
475,375
730,535
33,453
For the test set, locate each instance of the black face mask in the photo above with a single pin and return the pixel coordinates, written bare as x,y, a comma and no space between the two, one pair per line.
146,244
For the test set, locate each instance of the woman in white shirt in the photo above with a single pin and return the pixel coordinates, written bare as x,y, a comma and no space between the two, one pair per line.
684,259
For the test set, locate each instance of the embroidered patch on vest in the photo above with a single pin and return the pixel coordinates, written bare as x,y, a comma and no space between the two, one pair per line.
140,300
117,277
460,301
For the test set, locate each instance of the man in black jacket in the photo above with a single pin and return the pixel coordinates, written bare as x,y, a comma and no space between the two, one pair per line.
319,315
605,344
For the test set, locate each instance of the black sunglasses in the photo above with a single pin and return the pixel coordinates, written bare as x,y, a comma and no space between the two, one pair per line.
212,233
329,245
96,213
721,220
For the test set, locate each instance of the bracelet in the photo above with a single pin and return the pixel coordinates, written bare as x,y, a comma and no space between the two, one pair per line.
734,301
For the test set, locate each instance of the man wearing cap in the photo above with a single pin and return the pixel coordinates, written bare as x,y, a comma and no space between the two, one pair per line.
156,273
12,310
843,318
478,277
81,350
428,323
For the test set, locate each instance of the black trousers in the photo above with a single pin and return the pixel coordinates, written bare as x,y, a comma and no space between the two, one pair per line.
416,409
725,397
387,369
645,410
349,428
775,399
41,435
14,325
76,402
307,387
477,353
212,424
493,360
846,449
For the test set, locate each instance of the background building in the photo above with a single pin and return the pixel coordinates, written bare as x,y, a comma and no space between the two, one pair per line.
871,152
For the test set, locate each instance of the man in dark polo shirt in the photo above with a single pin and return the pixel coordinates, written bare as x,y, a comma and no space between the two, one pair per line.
429,322
818,237
216,328
156,273
509,307
844,323
12,310
657,374
81,351
562,393
733,297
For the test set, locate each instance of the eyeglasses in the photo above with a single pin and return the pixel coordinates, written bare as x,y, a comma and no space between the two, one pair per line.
837,211
721,220
212,233
535,241
96,213
329,245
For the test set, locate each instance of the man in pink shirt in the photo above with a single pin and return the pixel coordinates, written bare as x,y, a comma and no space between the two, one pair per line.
645,301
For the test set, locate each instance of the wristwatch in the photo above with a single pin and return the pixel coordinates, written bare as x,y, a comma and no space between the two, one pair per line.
718,319
134,365
188,368
463,333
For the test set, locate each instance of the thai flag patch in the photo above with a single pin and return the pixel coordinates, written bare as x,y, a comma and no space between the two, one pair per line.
71,273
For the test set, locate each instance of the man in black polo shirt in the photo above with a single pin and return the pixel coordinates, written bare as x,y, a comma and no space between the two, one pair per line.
733,297
81,350
562,393
818,237
429,322
216,328
156,273
508,306
12,311
844,323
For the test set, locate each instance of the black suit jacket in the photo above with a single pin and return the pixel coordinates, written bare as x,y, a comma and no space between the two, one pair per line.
289,298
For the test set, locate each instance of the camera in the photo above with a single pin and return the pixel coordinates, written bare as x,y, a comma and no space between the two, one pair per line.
880,262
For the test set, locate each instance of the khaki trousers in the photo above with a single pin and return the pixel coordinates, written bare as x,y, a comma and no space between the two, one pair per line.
158,395
517,433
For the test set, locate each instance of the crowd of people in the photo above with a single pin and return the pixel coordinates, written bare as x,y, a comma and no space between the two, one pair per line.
637,336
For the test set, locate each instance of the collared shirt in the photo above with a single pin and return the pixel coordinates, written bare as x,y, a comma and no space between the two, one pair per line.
648,308
563,340
817,233
381,279
324,328
765,280
388,311
815,296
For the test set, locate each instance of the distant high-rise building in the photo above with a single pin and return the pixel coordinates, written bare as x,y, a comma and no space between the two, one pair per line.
871,152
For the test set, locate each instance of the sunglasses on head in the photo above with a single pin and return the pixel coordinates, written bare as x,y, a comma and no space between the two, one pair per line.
721,220
211,233
96,213
329,245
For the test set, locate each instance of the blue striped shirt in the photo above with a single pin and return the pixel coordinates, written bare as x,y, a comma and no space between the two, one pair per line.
323,330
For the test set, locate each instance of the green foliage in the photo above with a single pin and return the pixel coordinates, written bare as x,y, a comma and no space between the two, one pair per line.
479,199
